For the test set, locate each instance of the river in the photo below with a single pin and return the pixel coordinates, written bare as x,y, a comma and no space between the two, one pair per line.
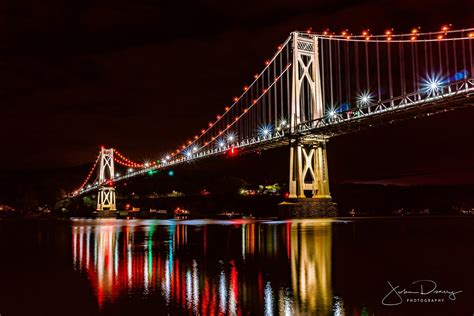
345,266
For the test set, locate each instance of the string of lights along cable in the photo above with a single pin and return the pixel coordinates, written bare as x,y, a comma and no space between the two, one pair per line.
322,84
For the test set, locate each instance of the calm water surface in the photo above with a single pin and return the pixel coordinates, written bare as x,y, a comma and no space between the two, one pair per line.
237,267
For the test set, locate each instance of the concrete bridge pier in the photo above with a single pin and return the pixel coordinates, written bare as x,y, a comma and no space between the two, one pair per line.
309,194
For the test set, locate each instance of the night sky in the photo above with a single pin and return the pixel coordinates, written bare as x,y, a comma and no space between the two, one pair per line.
143,76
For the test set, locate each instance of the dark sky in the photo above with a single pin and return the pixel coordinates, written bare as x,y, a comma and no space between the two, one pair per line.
144,75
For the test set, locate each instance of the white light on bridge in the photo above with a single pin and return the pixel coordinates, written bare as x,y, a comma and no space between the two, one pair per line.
195,148
265,131
432,85
130,170
88,186
221,143
117,175
167,158
332,113
147,164
231,136
365,98
188,153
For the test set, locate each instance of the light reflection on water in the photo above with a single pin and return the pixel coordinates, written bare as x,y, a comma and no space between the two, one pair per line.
210,267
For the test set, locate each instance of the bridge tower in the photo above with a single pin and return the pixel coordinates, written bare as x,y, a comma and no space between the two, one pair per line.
106,193
308,160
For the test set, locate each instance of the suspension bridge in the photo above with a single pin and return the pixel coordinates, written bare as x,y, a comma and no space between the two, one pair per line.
317,86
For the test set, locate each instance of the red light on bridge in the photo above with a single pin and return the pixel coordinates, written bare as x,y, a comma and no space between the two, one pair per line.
233,151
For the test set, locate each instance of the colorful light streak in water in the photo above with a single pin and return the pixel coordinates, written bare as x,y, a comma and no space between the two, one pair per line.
172,263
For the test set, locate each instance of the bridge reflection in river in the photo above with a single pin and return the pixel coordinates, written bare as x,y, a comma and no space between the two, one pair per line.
226,267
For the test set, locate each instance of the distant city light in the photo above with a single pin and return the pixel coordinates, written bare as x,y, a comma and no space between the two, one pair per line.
171,173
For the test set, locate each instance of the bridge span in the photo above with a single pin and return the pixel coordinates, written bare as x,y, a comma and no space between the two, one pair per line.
317,86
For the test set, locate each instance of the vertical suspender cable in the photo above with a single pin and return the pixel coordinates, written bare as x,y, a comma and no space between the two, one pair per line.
275,90
463,56
348,75
402,67
390,72
367,65
413,65
321,77
339,71
426,58
470,56
356,64
378,72
454,59
330,75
